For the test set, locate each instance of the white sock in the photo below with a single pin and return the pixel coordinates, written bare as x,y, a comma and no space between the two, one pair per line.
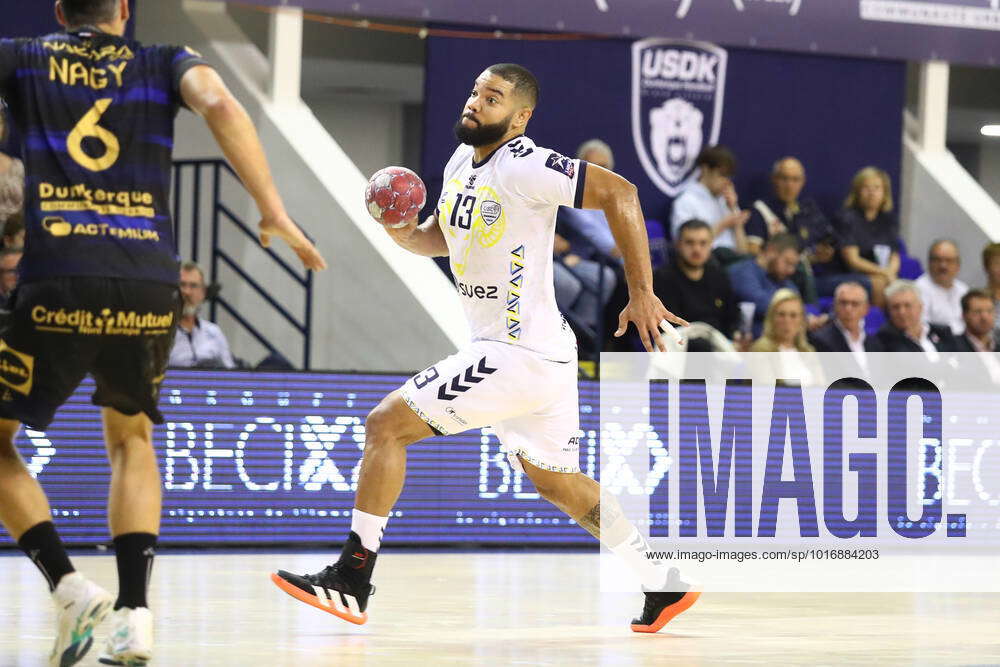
369,528
632,551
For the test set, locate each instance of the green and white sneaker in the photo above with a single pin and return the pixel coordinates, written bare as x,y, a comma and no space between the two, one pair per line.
130,641
81,605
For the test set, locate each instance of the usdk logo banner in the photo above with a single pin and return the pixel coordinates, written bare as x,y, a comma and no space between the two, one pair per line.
795,472
677,98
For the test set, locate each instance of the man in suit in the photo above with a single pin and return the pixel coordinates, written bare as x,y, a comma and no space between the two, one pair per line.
978,314
906,331
846,331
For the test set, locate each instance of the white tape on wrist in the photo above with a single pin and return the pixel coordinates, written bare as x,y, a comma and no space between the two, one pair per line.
669,329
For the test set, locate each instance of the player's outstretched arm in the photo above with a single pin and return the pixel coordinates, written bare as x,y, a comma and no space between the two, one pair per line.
207,95
426,239
619,200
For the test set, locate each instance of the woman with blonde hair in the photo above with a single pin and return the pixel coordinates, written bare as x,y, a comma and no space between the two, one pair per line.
869,230
784,324
795,363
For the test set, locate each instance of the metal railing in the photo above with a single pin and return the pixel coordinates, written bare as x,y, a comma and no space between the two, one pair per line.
189,214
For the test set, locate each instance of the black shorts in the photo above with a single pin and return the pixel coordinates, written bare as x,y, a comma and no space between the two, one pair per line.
58,330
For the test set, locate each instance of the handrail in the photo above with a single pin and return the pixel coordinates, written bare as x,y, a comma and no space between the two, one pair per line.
188,219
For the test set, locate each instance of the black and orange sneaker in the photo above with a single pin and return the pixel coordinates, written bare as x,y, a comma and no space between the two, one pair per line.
341,589
661,608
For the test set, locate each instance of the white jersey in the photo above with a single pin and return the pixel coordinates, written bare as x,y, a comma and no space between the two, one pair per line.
498,217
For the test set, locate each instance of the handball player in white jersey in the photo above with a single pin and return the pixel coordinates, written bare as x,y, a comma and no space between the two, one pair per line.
495,220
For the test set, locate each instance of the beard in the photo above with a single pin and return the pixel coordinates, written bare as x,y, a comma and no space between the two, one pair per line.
190,310
481,135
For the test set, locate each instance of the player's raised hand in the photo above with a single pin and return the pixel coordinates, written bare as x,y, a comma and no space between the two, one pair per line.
647,312
285,229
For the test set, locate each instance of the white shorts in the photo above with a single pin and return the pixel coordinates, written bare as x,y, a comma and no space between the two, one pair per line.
532,403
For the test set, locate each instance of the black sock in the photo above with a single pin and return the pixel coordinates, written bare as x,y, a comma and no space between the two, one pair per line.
134,553
358,562
42,544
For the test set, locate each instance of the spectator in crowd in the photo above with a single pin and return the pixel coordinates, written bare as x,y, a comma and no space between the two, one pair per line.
784,324
9,259
940,288
199,343
696,287
13,231
712,198
991,264
11,180
756,279
906,330
869,231
845,332
587,230
577,284
978,317
786,211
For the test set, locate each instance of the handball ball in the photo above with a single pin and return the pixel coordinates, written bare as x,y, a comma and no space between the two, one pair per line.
395,196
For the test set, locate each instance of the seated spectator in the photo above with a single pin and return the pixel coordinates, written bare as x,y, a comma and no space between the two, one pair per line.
784,325
199,343
13,231
940,288
576,285
9,259
11,181
906,330
587,229
787,212
869,232
712,198
979,320
845,332
756,279
693,287
991,264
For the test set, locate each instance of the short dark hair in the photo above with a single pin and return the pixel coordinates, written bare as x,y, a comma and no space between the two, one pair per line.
782,242
692,225
80,12
525,83
974,294
717,157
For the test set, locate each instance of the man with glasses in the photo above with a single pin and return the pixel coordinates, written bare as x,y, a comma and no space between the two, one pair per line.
199,343
940,287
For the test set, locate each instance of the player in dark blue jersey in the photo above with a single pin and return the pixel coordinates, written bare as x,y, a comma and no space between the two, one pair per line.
98,289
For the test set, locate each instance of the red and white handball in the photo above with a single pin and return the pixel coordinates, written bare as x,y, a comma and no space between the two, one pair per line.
395,196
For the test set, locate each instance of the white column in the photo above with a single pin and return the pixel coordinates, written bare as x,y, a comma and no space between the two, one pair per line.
932,111
285,54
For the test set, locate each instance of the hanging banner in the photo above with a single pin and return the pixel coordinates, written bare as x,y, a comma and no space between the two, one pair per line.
677,96
953,30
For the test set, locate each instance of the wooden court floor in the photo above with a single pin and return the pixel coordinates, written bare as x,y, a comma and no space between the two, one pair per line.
500,609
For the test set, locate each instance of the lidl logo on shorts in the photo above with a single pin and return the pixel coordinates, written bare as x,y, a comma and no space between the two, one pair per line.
677,95
16,369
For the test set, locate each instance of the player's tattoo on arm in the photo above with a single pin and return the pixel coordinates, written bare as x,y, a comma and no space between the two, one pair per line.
591,521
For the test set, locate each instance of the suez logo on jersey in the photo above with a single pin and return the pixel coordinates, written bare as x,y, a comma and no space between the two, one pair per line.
478,291
677,96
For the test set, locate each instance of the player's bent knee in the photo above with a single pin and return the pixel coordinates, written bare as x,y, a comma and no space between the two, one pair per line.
393,423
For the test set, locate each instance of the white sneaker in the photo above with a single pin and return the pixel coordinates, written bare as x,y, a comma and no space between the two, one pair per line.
81,605
130,641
